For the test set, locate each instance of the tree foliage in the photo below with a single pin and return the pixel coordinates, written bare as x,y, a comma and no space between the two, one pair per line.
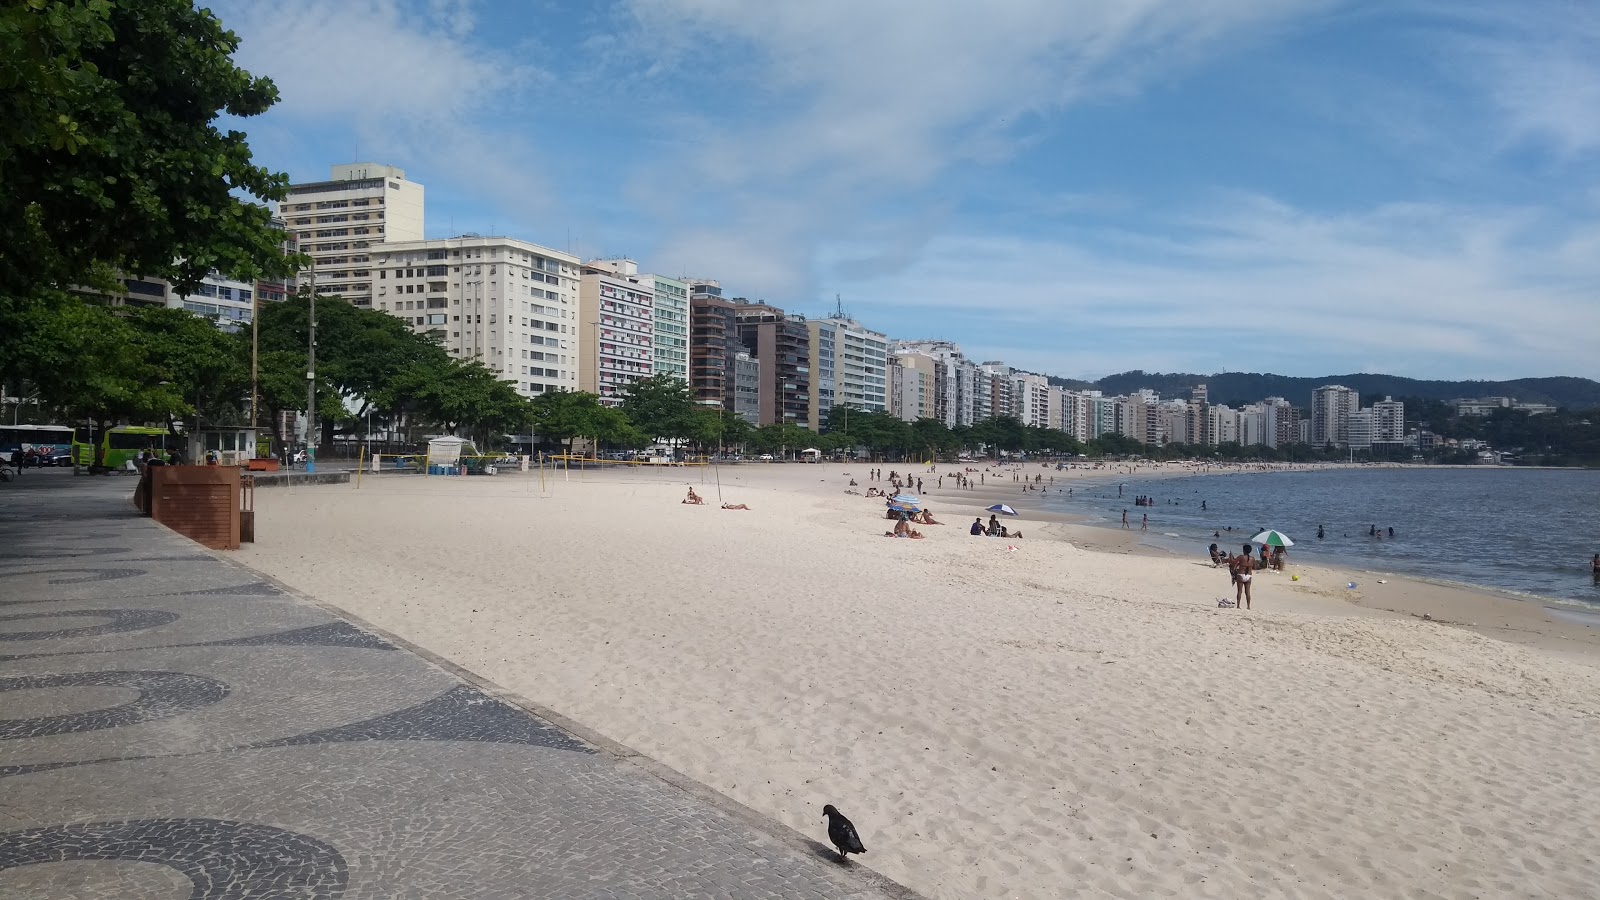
660,406
112,161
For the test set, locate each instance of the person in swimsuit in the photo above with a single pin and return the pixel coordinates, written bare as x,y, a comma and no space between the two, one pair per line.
1243,570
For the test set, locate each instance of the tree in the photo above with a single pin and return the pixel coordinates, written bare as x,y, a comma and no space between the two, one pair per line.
111,159
564,415
365,356
660,406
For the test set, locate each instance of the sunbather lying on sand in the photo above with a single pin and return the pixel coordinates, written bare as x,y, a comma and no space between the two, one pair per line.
734,506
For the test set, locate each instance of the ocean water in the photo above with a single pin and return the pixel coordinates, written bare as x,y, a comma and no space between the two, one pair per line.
1532,531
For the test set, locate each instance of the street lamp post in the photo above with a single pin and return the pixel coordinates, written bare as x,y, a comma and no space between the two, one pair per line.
311,376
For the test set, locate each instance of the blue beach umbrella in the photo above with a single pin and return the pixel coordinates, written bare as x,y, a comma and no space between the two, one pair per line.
1002,509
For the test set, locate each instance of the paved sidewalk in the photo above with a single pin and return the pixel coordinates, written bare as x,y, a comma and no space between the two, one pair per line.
171,726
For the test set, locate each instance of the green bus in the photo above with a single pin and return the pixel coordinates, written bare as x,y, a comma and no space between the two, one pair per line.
115,446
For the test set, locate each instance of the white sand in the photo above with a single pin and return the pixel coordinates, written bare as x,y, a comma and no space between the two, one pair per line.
1040,723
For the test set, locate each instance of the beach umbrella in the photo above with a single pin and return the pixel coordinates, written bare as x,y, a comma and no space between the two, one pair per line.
1272,538
1002,509
906,499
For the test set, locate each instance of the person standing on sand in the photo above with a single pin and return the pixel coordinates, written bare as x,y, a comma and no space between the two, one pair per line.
1243,571
1124,518
1144,522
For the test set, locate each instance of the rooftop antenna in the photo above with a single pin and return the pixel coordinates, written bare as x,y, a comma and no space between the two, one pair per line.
838,307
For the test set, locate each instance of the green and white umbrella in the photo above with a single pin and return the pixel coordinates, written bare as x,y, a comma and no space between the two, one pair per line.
1272,538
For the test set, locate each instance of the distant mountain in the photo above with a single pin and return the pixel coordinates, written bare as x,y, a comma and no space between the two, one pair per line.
1239,388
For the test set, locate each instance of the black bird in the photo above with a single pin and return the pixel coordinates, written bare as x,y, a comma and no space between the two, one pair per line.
842,833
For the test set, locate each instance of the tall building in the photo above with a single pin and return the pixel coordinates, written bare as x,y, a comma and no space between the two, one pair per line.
782,344
1283,422
1331,406
508,303
915,378
617,311
713,342
744,387
1030,399
849,366
955,381
337,223
1358,430
671,327
1389,421
669,316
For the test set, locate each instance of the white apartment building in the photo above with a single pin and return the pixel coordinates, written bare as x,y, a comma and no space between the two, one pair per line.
1331,406
954,381
618,312
1030,400
1222,423
227,302
1074,412
337,223
914,378
1388,421
1358,430
849,366
510,304
671,327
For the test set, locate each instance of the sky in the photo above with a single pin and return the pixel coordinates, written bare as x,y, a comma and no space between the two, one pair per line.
1075,187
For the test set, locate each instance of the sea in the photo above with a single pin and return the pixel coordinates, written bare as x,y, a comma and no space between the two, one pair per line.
1527,531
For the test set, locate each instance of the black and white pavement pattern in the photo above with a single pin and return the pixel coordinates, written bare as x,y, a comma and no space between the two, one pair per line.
171,726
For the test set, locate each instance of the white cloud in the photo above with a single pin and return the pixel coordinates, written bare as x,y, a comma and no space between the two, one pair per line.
861,100
402,81
1254,285
1539,64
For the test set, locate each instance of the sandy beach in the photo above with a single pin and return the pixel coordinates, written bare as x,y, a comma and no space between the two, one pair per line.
1062,715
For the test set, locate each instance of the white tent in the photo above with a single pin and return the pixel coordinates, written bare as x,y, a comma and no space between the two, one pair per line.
447,450
811,454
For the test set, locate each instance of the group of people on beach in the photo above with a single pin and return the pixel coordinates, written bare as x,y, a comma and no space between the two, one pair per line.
696,500
994,529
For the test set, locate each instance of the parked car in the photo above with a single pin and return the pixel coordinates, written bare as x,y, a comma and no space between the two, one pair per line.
765,457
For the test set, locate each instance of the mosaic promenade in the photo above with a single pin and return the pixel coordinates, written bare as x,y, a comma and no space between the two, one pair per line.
171,726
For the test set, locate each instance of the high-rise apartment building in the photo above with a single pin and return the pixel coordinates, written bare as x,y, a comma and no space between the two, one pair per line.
744,387
1331,406
1358,430
849,367
508,303
337,223
1030,399
671,327
914,388
1283,422
617,311
1389,421
713,342
782,344
669,316
955,381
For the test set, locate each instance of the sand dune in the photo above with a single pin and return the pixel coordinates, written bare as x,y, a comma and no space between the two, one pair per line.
999,718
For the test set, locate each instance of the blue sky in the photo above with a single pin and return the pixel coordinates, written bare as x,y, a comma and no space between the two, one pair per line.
1076,187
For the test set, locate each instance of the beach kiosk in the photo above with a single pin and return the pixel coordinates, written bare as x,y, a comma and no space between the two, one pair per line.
233,445
444,454
811,455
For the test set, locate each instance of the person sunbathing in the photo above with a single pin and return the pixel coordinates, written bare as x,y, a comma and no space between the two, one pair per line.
852,482
927,519
734,506
693,499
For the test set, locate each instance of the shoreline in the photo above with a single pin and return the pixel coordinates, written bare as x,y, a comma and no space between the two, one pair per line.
1553,623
